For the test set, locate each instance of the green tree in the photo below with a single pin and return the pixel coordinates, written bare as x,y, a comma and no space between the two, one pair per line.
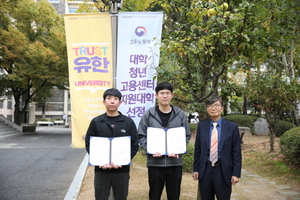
126,5
275,93
201,42
32,52
274,80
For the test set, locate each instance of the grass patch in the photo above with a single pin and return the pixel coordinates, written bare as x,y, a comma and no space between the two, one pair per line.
271,165
140,158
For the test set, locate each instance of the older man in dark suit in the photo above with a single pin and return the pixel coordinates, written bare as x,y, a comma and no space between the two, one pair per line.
217,159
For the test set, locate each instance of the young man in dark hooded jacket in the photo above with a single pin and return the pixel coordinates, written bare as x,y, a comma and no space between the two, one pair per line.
112,124
163,170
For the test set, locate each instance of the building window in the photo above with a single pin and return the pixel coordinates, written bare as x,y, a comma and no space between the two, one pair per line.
72,10
9,105
53,1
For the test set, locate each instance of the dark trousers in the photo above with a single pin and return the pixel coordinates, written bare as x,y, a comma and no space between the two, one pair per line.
213,184
159,177
103,181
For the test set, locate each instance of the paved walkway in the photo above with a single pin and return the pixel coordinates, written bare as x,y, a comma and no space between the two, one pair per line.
252,186
75,186
256,187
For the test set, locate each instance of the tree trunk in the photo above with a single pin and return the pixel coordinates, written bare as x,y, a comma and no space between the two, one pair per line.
44,110
245,105
272,136
272,130
17,112
297,114
225,111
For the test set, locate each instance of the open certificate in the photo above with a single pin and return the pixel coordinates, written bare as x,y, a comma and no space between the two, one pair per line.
166,141
105,150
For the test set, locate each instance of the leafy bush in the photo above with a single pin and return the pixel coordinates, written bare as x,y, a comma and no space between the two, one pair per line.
188,159
45,119
283,126
290,146
242,120
193,127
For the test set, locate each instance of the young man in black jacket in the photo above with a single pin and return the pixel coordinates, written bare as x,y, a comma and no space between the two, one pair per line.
112,124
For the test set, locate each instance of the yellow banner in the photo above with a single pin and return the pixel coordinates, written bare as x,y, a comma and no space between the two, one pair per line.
89,44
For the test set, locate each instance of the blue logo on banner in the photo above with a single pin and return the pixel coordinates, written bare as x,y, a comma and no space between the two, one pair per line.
140,31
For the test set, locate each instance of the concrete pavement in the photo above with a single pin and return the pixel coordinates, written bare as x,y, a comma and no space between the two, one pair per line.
75,186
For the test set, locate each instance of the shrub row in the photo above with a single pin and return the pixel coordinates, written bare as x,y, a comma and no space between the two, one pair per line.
248,121
283,126
49,119
242,120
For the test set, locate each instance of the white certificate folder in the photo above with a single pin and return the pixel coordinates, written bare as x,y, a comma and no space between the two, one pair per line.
166,141
104,150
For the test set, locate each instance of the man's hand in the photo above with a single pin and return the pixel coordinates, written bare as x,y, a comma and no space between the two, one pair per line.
195,175
173,155
234,180
157,154
111,166
106,166
115,166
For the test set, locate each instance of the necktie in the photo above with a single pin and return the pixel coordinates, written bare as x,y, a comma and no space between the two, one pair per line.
214,145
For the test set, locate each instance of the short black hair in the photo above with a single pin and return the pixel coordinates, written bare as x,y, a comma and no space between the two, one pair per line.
213,99
164,86
112,92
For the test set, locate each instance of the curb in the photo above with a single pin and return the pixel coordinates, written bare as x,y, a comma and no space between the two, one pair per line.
75,186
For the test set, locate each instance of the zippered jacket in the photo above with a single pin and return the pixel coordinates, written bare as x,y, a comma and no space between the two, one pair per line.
101,127
152,119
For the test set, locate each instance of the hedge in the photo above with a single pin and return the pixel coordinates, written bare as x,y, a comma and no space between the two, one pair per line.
283,126
188,158
242,120
290,146
248,121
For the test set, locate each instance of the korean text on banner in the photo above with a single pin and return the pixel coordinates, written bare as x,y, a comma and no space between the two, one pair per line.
139,35
89,44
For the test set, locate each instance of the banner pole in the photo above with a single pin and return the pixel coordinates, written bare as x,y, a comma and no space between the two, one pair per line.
114,22
114,26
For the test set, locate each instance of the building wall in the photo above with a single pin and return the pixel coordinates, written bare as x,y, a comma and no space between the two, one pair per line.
56,106
6,107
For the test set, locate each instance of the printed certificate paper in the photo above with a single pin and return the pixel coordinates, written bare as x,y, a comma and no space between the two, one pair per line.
105,150
166,141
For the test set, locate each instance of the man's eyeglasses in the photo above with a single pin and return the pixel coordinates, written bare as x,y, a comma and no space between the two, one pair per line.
213,106
164,93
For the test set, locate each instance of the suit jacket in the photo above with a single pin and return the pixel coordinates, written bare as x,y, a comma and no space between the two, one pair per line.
229,146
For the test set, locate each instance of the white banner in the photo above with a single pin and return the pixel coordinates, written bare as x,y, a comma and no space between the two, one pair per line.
139,35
